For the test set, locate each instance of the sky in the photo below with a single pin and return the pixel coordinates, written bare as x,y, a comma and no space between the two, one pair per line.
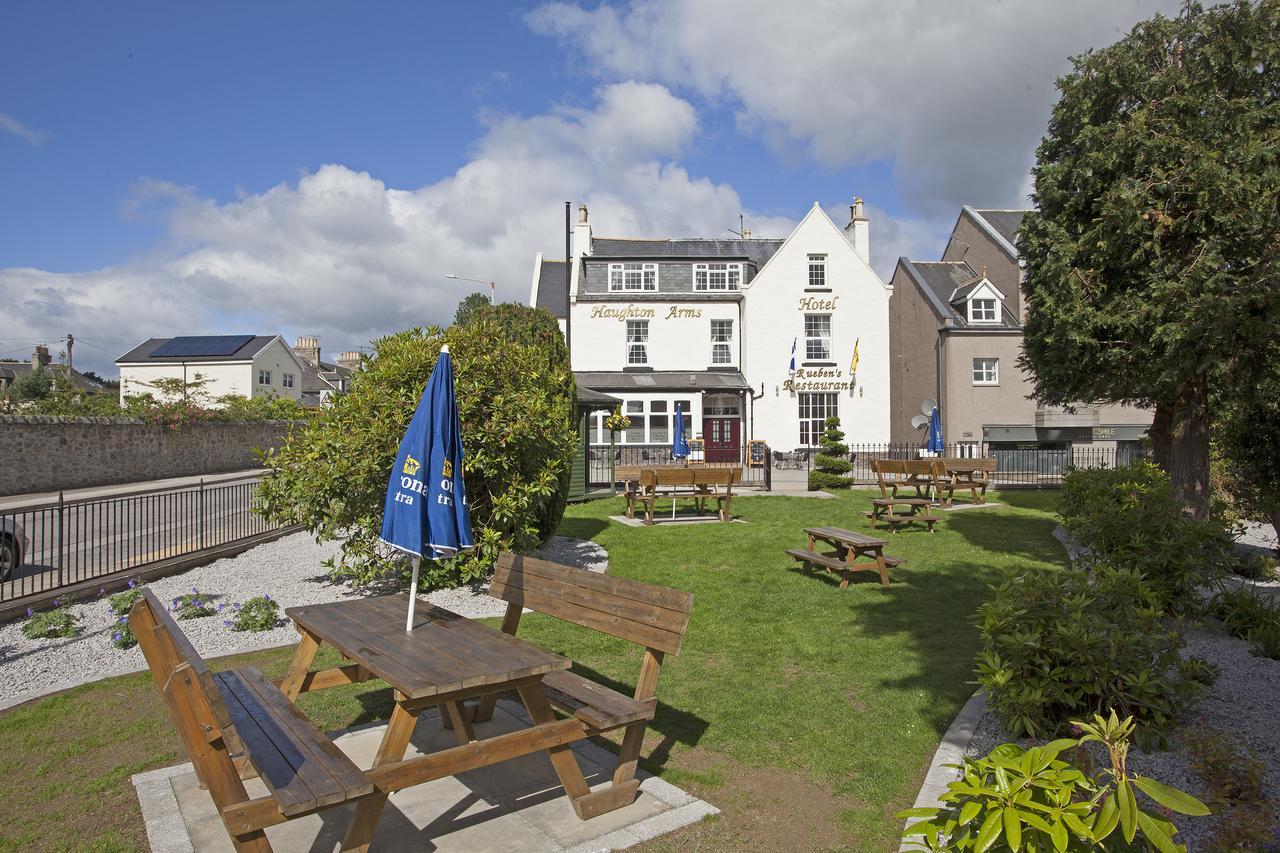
319,168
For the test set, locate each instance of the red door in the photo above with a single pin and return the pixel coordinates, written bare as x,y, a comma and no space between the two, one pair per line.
723,439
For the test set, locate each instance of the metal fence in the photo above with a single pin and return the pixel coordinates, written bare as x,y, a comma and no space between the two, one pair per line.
1016,467
67,542
600,471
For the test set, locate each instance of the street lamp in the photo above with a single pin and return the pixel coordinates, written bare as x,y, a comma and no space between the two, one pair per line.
493,288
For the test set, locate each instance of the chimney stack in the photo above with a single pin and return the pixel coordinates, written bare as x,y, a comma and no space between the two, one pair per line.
307,348
858,231
40,357
581,234
746,233
349,360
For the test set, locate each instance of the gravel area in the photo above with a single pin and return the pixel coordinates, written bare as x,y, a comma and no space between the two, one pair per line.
288,569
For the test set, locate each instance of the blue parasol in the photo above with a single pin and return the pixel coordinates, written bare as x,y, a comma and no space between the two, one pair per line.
935,444
426,513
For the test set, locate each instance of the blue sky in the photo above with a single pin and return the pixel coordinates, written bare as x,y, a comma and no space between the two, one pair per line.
319,167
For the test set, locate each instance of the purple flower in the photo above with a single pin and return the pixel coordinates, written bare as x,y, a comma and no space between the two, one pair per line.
133,583
30,613
123,619
227,622
56,603
221,607
267,597
102,590
116,636
196,591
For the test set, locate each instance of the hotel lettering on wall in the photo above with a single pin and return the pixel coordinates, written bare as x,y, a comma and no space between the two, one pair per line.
817,379
643,312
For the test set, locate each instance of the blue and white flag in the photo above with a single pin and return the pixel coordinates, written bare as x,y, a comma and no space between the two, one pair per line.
426,512
793,354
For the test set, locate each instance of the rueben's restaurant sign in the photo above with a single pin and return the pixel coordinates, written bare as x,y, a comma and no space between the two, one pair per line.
817,379
638,312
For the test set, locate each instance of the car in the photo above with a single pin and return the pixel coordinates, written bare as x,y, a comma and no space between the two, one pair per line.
13,545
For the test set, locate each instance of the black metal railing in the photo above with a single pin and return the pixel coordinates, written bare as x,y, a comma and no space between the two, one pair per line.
1015,467
67,542
600,471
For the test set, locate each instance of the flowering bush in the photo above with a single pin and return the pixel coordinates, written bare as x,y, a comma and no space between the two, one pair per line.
121,602
617,422
122,637
259,613
192,605
58,622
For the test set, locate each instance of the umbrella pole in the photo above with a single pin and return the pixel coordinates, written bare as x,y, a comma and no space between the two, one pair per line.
413,593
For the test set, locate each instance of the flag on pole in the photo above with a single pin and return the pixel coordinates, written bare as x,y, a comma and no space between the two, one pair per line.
853,364
793,354
426,512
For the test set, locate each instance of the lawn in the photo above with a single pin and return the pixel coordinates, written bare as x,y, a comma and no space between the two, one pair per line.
807,713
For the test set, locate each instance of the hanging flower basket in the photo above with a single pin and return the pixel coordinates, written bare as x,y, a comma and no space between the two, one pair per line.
617,422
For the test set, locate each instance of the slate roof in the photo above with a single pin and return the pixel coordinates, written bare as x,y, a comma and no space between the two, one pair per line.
1004,222
552,287
11,370
143,352
755,250
596,400
947,284
663,380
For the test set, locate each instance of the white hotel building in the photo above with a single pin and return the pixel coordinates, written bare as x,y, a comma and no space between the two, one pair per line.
711,324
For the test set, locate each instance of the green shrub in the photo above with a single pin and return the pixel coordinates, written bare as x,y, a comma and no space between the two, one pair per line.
259,613
1129,517
1256,567
1236,790
192,605
1015,799
1059,644
121,602
516,398
831,465
1249,616
58,622
122,637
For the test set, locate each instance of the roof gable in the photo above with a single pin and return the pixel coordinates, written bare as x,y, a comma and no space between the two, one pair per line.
146,352
820,216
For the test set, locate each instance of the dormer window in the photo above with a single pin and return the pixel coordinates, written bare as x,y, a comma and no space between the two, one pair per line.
633,276
711,276
984,311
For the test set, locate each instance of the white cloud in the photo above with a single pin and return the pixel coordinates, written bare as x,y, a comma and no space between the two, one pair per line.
340,254
11,125
956,93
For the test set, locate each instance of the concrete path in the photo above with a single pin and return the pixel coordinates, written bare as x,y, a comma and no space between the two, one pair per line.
514,806
16,502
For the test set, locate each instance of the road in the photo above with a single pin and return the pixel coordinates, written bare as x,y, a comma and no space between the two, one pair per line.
86,540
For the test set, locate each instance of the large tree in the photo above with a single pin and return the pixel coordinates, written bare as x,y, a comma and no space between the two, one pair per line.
1152,256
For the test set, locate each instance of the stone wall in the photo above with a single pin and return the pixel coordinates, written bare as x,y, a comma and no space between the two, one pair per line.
44,454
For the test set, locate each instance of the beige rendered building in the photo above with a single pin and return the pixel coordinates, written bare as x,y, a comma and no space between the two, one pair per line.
955,336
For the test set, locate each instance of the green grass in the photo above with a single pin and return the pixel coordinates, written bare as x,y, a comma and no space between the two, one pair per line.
839,694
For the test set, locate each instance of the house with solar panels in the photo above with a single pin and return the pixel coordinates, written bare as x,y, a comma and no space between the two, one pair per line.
243,365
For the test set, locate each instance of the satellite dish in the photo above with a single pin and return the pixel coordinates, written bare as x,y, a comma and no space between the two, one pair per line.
919,422
928,405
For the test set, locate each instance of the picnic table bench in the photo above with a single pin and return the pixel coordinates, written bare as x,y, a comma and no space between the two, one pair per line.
848,547
960,474
699,485
885,511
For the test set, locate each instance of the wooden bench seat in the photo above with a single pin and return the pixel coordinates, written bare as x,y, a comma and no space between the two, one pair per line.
654,617
831,561
238,724
600,707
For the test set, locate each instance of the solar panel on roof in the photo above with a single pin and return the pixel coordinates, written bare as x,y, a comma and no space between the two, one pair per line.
194,346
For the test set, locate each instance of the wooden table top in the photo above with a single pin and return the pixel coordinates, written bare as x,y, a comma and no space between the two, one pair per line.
847,537
444,653
904,501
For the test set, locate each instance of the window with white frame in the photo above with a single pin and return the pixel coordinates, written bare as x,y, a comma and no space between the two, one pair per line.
984,311
814,411
286,380
637,342
715,276
817,337
722,342
633,276
986,371
652,422
264,377
817,270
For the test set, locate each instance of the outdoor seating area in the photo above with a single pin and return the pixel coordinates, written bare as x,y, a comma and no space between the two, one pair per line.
843,560
698,485
238,724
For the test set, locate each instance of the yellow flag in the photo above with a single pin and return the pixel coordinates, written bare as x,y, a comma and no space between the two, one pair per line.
853,365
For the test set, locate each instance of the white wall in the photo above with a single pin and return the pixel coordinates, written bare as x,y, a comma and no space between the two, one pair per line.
679,333
279,359
224,377
774,312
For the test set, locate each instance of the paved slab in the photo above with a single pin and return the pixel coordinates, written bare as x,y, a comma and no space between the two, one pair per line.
514,806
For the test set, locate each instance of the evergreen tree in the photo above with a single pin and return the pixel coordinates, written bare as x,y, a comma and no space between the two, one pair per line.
831,466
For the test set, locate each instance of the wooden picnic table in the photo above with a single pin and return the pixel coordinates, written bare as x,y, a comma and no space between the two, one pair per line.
885,511
443,661
849,546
